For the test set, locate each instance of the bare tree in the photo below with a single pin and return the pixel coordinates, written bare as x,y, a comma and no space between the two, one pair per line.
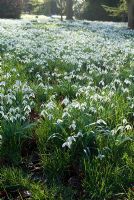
61,4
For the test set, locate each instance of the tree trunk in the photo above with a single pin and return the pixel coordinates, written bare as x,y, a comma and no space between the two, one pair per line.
61,10
61,16
69,9
131,14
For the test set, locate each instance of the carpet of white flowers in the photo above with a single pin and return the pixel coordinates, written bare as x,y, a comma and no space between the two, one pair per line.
95,59
74,81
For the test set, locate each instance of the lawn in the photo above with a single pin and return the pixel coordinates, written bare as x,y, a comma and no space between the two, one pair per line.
66,110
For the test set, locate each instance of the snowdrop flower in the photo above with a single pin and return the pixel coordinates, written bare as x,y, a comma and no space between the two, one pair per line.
65,101
127,82
124,121
101,121
79,134
93,110
128,127
101,83
59,121
50,116
73,125
28,108
120,128
18,83
65,114
50,105
3,83
100,156
125,90
69,142
0,137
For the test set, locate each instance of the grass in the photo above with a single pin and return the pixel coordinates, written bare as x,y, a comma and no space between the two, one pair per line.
66,110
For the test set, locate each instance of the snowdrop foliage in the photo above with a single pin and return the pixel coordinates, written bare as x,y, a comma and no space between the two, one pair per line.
73,73
68,88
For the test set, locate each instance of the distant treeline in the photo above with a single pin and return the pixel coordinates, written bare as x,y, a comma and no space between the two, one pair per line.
94,10
82,9
10,8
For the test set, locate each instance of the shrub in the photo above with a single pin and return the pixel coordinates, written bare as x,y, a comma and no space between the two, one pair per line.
10,8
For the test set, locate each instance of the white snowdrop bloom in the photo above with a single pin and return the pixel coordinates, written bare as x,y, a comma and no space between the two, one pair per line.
0,137
65,114
79,134
93,110
6,117
9,100
52,97
13,70
120,128
128,82
101,108
27,108
24,102
124,121
65,101
32,95
76,104
132,106
125,90
113,132
2,113
59,121
128,127
97,97
131,76
12,110
7,75
23,118
18,83
43,113
83,106
1,95
111,93
1,108
26,97
117,81
101,121
100,156
73,125
11,119
69,142
50,116
42,85
101,83
2,83
50,105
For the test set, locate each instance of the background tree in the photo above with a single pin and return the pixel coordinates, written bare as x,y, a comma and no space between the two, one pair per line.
69,9
10,8
93,9
44,7
27,6
125,10
61,4
130,13
119,11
